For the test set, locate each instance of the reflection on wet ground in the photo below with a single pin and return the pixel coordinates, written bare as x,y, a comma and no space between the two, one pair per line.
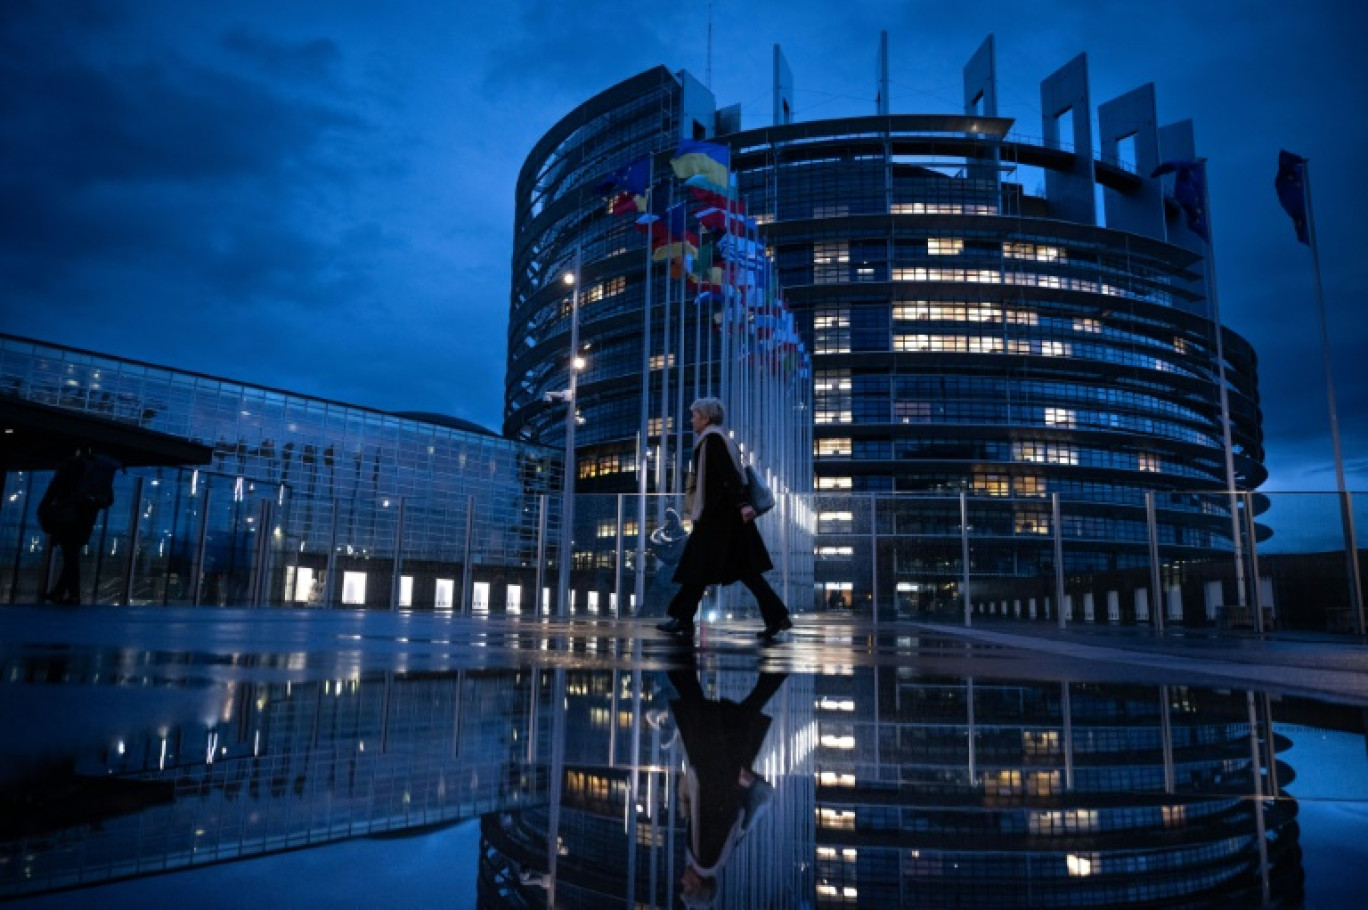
607,764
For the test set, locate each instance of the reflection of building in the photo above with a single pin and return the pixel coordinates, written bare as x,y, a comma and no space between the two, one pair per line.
332,481
975,329
275,766
963,793
603,858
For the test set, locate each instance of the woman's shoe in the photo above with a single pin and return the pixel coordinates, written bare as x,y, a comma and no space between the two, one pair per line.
680,627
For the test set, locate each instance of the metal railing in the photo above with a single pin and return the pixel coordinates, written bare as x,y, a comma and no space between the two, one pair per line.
1163,560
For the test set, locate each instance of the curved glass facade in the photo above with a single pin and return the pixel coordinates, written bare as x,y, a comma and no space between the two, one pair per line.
974,328
335,498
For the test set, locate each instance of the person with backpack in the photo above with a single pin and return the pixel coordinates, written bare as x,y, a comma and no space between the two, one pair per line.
81,488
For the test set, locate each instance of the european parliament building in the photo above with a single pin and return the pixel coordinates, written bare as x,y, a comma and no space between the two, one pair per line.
1006,320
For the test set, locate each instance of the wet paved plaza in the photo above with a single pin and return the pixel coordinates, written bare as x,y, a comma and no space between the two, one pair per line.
346,758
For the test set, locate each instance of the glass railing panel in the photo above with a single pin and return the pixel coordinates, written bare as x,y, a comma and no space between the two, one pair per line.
23,545
1011,546
1303,558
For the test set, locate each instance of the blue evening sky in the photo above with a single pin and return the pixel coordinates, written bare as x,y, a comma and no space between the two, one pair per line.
318,196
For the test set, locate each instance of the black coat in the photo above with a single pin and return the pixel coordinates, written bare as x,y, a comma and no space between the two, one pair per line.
69,522
722,548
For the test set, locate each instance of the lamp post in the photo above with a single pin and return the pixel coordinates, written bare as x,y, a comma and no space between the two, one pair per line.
576,364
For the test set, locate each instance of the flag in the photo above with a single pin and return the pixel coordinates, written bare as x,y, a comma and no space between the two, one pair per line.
722,221
1291,186
674,250
626,203
710,194
670,227
631,178
1189,191
705,158
626,187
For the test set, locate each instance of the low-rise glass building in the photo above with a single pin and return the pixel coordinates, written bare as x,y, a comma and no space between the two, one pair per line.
306,502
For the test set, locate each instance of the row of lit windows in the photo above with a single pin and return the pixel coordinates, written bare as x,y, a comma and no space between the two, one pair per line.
606,465
1034,452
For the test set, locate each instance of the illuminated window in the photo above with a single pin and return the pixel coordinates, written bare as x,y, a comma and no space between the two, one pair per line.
964,344
1044,453
828,703
1029,486
1033,251
831,332
1175,816
922,310
835,741
942,208
1059,417
653,426
835,552
828,414
944,246
353,588
1082,864
1091,326
991,484
832,779
836,516
659,361
834,483
1056,348
1040,743
837,447
970,276
830,261
1148,461
1064,822
605,289
1002,783
839,819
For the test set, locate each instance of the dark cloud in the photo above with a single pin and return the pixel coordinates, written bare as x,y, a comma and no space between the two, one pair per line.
318,197
308,61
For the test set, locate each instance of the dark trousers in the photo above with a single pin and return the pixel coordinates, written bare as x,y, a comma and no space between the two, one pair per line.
772,609
68,587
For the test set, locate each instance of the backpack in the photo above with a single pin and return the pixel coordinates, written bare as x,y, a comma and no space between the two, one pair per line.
96,483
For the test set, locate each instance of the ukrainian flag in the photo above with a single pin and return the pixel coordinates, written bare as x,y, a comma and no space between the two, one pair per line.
706,158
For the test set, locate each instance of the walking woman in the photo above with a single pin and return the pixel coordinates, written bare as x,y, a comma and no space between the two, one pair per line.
724,546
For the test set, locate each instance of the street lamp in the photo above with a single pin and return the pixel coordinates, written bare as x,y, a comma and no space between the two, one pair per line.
576,363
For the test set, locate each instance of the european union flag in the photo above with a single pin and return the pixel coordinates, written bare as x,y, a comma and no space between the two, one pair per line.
1291,186
631,178
1189,191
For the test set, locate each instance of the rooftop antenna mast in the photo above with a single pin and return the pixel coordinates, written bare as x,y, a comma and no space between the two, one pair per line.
708,74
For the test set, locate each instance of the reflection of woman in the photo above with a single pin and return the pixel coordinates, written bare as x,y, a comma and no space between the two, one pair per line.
725,546
721,796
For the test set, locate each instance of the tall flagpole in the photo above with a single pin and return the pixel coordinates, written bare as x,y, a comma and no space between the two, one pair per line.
1346,506
1209,274
644,431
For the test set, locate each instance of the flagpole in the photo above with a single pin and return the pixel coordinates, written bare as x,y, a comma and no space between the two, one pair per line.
662,461
678,484
644,431
1346,506
1209,274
